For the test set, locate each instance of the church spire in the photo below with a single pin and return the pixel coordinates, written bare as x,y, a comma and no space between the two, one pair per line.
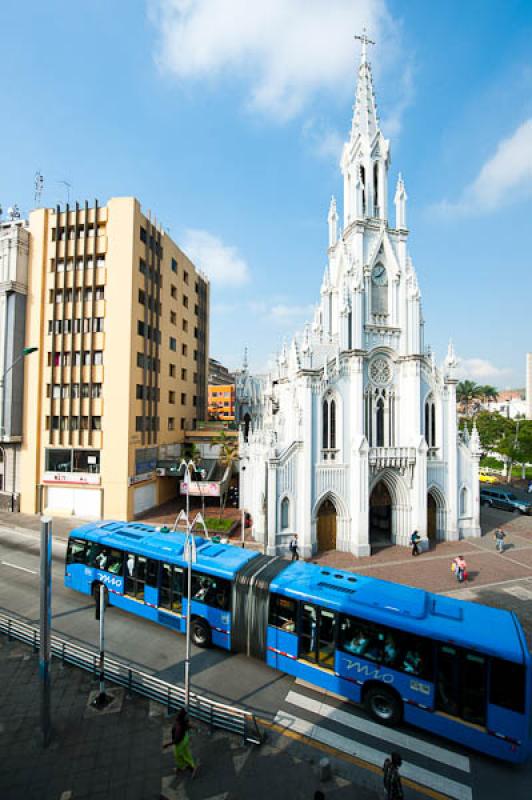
365,118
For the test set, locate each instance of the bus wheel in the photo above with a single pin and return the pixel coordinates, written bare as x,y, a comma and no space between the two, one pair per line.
383,705
200,633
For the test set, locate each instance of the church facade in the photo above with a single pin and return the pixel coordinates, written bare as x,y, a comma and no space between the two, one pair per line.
353,441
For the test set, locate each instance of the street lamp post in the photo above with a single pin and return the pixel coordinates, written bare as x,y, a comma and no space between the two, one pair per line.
243,524
189,553
25,352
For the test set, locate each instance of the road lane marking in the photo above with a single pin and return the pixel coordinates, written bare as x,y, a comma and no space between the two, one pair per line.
395,737
16,566
453,789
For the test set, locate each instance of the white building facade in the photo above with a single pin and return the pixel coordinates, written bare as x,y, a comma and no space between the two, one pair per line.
353,442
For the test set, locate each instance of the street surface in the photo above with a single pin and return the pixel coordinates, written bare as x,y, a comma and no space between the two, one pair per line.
428,760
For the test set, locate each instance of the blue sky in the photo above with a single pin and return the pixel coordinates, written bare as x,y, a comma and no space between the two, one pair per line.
226,118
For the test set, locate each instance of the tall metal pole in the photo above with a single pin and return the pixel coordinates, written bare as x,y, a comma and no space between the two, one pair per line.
45,626
243,524
102,698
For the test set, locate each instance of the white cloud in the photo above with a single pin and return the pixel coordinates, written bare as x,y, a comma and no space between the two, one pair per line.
290,313
479,369
221,263
393,122
504,178
285,51
323,140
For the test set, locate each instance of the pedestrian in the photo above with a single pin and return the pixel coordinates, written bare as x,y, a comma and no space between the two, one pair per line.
181,744
393,789
414,539
293,548
459,567
499,539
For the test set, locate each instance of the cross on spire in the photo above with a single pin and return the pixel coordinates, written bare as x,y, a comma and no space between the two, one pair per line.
365,41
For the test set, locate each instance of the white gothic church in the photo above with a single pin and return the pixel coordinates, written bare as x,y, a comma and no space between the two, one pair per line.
353,441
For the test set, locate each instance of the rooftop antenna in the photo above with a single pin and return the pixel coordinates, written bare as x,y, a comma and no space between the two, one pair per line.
13,212
68,188
39,186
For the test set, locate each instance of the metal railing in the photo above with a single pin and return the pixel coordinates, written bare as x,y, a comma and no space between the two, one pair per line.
217,715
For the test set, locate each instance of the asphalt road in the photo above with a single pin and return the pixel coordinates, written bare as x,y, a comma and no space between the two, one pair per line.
238,680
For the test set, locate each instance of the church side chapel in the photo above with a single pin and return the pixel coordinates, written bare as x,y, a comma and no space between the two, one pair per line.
352,443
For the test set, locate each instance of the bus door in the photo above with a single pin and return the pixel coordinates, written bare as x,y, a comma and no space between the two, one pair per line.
316,635
141,579
461,684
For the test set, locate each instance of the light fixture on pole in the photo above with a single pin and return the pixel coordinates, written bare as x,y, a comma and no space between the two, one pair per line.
25,352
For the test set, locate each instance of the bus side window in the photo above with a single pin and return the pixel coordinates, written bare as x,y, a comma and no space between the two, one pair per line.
76,551
283,612
474,688
135,575
507,685
115,563
152,573
211,590
415,656
97,556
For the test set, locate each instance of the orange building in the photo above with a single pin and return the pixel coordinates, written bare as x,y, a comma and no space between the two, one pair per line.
222,402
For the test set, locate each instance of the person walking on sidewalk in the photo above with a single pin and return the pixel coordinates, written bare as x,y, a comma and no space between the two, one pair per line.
181,744
414,539
293,548
499,539
393,789
459,567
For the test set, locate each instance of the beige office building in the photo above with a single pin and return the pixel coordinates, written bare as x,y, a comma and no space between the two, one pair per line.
120,315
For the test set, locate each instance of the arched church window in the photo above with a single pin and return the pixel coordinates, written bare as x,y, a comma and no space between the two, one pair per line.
332,409
285,514
430,422
464,501
363,181
379,422
379,290
376,188
325,425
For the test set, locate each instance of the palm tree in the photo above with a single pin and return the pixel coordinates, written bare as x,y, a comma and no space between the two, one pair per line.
488,392
466,391
228,455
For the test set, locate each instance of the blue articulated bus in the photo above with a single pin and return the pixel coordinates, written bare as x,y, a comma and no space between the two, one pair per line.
454,668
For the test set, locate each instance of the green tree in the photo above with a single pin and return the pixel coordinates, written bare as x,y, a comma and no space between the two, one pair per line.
488,392
466,392
227,456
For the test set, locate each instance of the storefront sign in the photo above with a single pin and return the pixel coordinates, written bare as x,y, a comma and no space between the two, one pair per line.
202,489
86,478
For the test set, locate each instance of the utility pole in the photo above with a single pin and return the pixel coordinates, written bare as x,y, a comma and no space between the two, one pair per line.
45,626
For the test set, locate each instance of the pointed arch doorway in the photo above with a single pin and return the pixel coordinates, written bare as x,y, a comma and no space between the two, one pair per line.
326,526
380,517
432,518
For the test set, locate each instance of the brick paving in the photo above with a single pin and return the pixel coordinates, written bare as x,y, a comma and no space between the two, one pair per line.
121,755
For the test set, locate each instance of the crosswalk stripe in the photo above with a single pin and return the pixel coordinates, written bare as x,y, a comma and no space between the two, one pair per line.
453,789
381,731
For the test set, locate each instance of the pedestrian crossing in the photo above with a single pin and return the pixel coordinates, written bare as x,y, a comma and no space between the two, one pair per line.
314,715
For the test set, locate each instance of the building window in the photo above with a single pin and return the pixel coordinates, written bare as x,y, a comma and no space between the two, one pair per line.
430,422
96,423
171,370
182,423
379,422
183,398
185,325
183,374
185,276
173,318
184,350
143,235
173,292
171,423
328,425
139,423
97,324
464,501
195,355
173,344
285,514
171,398
185,301
174,269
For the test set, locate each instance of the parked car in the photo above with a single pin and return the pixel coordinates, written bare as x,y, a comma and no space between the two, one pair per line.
485,477
500,498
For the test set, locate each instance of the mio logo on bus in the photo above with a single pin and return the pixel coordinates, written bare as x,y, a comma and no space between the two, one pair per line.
110,581
368,671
